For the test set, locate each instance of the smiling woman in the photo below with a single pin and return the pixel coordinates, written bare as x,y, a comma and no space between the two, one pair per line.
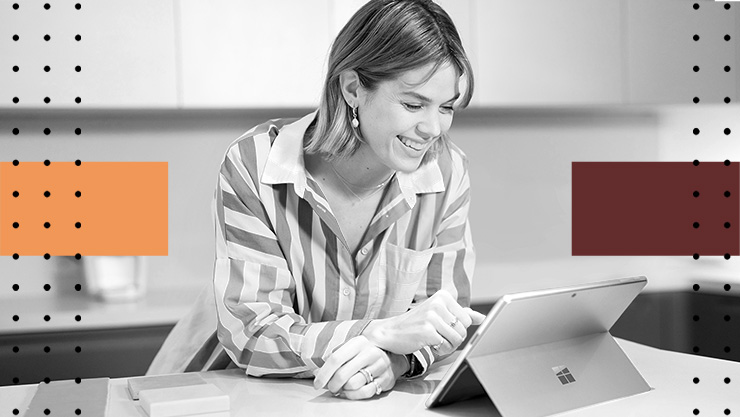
343,250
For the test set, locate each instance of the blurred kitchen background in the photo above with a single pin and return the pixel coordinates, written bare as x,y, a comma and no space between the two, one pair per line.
179,80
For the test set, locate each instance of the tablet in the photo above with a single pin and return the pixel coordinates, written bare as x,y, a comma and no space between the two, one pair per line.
543,352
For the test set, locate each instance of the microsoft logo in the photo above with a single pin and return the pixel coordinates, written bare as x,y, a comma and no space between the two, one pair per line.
563,375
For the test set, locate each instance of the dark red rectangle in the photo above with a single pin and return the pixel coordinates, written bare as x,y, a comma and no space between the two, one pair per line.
650,208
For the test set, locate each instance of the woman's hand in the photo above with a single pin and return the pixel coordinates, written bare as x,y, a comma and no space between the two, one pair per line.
439,322
360,370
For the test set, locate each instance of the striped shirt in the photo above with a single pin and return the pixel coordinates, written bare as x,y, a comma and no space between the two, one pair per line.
287,289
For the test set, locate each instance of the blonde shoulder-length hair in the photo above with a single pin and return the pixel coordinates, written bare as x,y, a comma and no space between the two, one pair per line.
382,40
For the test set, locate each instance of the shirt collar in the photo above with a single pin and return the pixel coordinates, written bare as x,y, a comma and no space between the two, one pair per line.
285,165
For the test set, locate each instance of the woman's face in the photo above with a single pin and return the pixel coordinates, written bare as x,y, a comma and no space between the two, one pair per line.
401,119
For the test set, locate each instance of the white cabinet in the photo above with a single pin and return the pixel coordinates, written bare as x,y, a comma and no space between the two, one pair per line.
662,52
544,52
254,53
125,54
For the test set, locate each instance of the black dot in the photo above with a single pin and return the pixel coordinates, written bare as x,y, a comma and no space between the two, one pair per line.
47,411
727,349
47,256
78,194
727,411
78,38
727,287
78,131
696,194
78,162
727,380
16,318
727,68
47,100
47,6
728,37
78,225
78,380
78,349
696,225
47,225
727,256
696,318
696,99
47,380
78,411
47,131
727,225
727,100
15,349
696,6
15,162
15,6
78,6
16,37
696,37
696,132
16,380
727,193
16,100
15,68
696,411
78,68
47,38
78,317
696,287
16,287
16,412
15,256
47,318
696,68
47,349
15,194
78,287
78,257
696,380
727,6
47,194
47,287
78,100
696,256
15,132
47,68
696,349
47,162
727,317
15,225
696,162
727,131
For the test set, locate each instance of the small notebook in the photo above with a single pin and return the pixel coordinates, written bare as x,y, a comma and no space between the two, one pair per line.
135,385
192,400
63,398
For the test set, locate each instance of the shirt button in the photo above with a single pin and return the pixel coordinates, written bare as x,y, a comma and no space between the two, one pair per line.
346,291
364,251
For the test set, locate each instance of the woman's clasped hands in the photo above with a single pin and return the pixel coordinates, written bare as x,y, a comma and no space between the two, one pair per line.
371,363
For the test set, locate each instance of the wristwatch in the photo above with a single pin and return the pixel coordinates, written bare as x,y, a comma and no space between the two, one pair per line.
415,367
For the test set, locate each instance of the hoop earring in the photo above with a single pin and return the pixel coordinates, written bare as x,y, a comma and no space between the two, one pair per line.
355,122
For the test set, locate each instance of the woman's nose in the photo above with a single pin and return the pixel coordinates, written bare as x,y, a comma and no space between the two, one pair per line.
430,127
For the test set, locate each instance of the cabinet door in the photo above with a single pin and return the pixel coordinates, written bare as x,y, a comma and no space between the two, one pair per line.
544,52
662,51
238,53
125,55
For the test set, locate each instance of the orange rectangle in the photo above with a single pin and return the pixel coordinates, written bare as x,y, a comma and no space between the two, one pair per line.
95,208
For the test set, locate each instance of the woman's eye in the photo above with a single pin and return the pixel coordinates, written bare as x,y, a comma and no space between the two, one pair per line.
447,109
410,106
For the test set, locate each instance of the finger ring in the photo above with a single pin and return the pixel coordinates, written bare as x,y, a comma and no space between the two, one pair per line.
378,390
368,376
453,323
438,345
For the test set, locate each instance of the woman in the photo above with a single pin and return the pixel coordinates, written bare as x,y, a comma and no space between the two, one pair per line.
343,245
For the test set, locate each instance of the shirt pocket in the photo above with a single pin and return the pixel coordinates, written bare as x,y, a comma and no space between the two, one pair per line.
402,271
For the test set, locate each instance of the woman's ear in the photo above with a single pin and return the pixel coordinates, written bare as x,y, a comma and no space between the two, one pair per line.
352,91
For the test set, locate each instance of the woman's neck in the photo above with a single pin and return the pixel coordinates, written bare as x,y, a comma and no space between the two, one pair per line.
361,171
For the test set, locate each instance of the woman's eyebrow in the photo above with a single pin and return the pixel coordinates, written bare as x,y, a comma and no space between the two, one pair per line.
425,99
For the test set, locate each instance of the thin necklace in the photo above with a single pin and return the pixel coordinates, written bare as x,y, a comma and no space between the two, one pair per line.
348,185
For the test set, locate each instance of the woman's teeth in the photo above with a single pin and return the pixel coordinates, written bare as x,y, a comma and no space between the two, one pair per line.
409,144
